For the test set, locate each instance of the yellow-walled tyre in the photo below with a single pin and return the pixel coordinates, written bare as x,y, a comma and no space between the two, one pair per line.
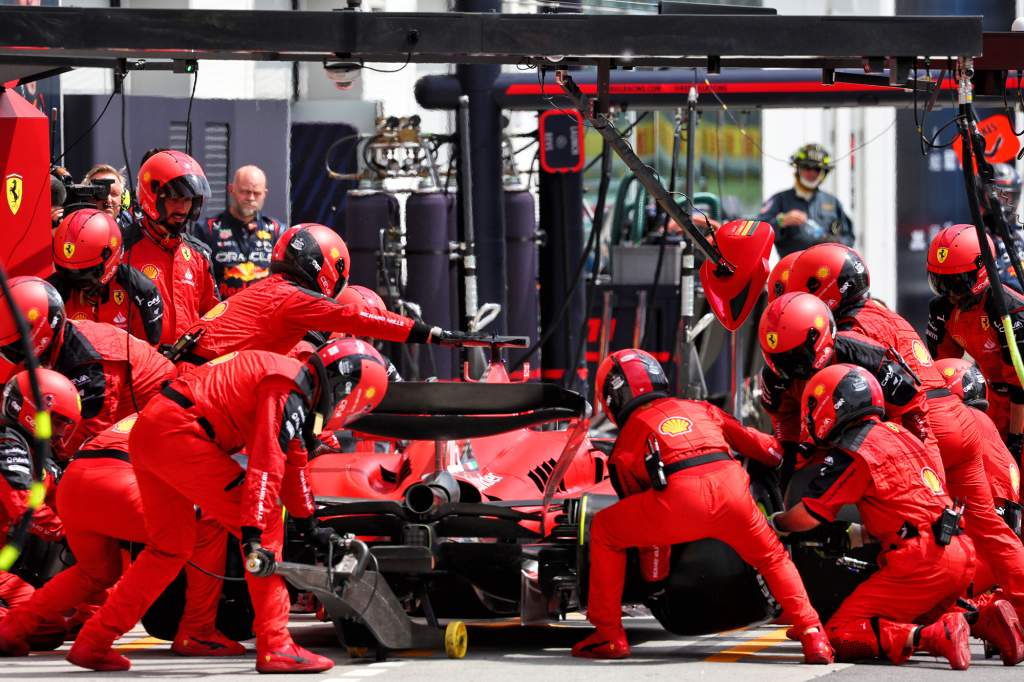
456,639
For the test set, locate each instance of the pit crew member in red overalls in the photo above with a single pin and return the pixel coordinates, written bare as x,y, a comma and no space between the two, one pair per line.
697,491
798,337
838,276
962,319
181,449
172,188
99,498
95,284
17,428
112,370
896,483
309,270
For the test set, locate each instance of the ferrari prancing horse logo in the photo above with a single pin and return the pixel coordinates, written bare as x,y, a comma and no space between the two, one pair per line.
941,254
13,187
69,249
118,297
772,339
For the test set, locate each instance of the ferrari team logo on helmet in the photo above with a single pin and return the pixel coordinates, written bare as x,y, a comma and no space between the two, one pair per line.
13,190
822,272
674,426
941,254
772,339
819,322
118,297
69,249
335,253
114,241
33,314
932,480
819,390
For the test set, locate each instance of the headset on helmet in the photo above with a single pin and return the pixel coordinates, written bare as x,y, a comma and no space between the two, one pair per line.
835,273
170,174
314,255
778,280
353,379
797,335
626,380
87,248
955,265
965,380
42,308
838,396
60,399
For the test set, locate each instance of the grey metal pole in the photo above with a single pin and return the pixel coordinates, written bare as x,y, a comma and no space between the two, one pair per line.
466,188
684,349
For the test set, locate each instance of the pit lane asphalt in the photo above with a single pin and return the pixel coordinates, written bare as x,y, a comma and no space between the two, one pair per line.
508,653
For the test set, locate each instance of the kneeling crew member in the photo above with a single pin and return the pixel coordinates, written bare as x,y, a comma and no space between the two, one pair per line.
694,439
896,483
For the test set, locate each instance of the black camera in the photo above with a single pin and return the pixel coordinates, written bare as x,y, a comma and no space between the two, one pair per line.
85,195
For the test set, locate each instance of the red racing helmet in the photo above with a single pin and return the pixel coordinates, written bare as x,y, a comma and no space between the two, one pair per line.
778,280
60,399
626,380
838,396
835,273
964,380
955,265
797,335
353,379
170,174
42,308
313,254
370,298
87,248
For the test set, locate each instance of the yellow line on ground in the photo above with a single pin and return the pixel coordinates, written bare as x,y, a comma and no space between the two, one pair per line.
735,653
139,644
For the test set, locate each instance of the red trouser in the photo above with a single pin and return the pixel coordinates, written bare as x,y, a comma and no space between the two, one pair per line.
100,498
177,465
13,592
709,501
918,578
960,447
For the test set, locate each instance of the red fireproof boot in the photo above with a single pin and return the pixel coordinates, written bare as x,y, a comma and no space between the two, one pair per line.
817,649
997,624
603,644
949,637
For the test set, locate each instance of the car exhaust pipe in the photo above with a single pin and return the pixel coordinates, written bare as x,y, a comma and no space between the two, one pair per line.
428,496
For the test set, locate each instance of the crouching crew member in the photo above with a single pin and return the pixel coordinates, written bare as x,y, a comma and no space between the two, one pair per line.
309,267
113,371
896,483
17,427
181,448
100,500
694,478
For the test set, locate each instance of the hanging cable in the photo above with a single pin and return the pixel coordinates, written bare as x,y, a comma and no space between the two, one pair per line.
188,116
87,130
